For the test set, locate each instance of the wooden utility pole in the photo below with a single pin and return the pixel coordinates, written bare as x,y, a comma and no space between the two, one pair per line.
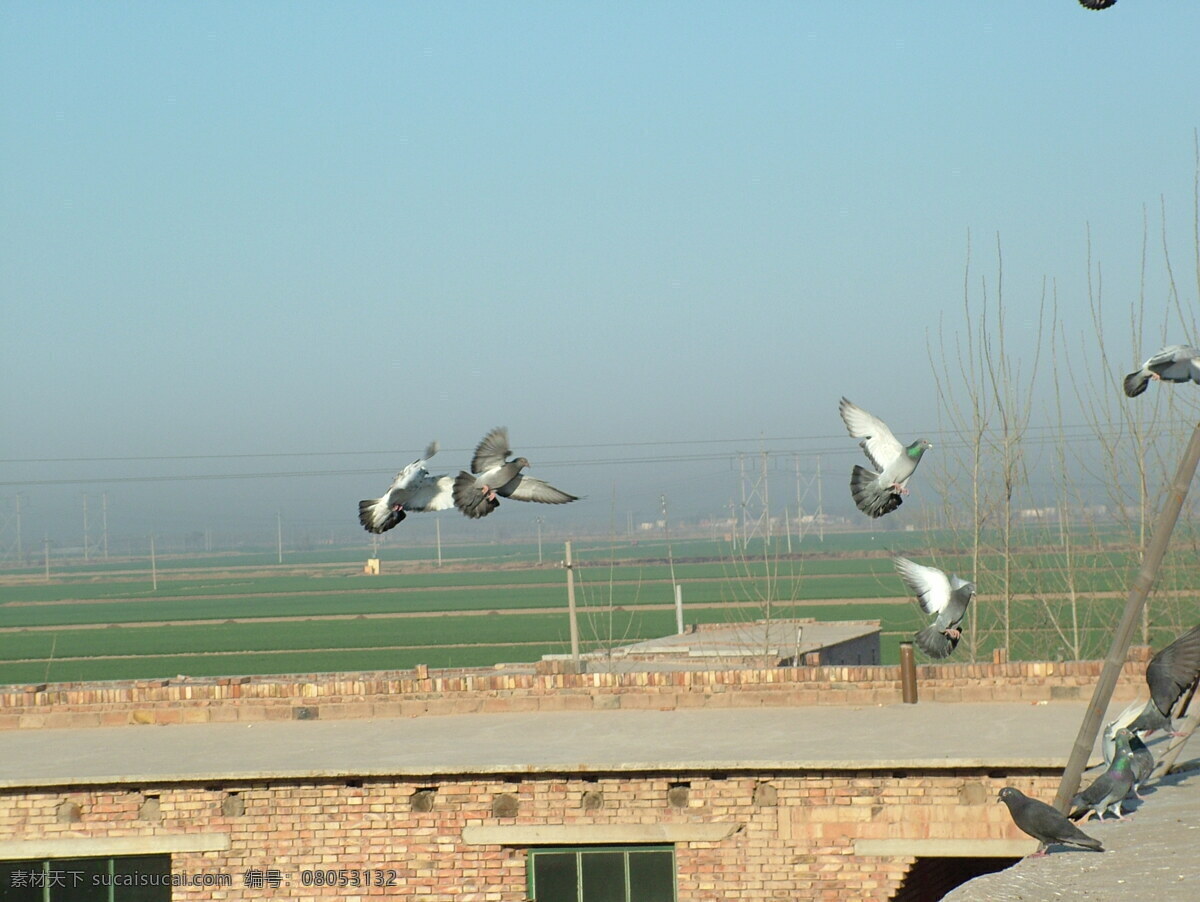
1155,552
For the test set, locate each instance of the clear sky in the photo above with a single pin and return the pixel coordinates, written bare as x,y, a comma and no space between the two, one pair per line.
308,237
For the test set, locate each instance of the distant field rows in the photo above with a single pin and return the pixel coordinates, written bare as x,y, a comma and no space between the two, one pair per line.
226,615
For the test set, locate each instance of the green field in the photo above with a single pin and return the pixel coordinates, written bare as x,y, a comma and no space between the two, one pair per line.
246,613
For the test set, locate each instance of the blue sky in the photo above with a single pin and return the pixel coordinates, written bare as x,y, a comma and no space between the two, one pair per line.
310,237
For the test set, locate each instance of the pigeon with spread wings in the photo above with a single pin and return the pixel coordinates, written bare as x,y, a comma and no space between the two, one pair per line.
494,476
412,491
946,596
879,493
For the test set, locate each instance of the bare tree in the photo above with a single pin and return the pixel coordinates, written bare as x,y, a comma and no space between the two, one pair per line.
985,398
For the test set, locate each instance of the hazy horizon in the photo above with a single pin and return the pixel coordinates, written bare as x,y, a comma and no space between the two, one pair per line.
257,256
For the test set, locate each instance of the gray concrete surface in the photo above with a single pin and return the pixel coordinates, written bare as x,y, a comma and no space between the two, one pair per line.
1153,855
888,736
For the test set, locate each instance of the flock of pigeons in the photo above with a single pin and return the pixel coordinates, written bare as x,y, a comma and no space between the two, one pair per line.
880,491
1170,672
476,494
875,492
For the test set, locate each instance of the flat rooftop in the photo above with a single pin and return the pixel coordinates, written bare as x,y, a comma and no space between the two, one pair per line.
702,644
926,735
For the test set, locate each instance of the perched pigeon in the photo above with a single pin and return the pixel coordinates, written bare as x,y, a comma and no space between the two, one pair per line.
1143,758
1108,790
878,493
493,474
1168,674
1045,823
413,489
1175,363
947,597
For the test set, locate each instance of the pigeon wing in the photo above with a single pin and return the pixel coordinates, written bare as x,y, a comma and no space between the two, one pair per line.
1043,822
526,488
492,451
1173,669
435,493
930,585
880,445
410,477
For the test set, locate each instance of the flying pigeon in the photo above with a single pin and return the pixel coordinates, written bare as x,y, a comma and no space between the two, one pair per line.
493,474
945,596
879,493
1045,823
1174,363
413,490
1171,671
1108,790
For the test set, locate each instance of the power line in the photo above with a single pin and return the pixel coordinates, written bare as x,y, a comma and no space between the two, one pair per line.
235,455
1034,436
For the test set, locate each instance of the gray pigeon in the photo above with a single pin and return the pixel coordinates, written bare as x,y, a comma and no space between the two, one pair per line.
879,493
1171,671
1174,363
947,597
493,474
1143,758
1045,823
1108,790
413,490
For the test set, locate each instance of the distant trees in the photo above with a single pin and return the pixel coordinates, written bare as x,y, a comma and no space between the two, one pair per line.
1050,477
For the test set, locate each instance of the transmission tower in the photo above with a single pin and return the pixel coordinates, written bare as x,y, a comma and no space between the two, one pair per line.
10,531
99,543
809,501
756,508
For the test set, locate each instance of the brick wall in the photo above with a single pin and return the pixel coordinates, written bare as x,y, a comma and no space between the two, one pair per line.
794,839
553,688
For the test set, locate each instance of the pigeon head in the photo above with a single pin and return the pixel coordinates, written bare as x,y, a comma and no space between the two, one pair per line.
1008,795
520,463
917,448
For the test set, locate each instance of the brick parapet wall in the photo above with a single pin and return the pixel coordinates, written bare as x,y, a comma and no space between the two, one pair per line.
554,688
794,831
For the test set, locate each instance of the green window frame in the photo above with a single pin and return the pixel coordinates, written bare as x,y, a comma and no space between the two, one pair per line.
126,878
601,874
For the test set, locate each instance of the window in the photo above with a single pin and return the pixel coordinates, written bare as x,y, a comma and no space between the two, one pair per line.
141,878
603,874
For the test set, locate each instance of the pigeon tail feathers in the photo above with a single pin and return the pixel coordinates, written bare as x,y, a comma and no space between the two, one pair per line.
1135,383
376,518
934,642
868,497
469,499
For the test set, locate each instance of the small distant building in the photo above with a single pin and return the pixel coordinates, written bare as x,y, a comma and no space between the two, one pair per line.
760,643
